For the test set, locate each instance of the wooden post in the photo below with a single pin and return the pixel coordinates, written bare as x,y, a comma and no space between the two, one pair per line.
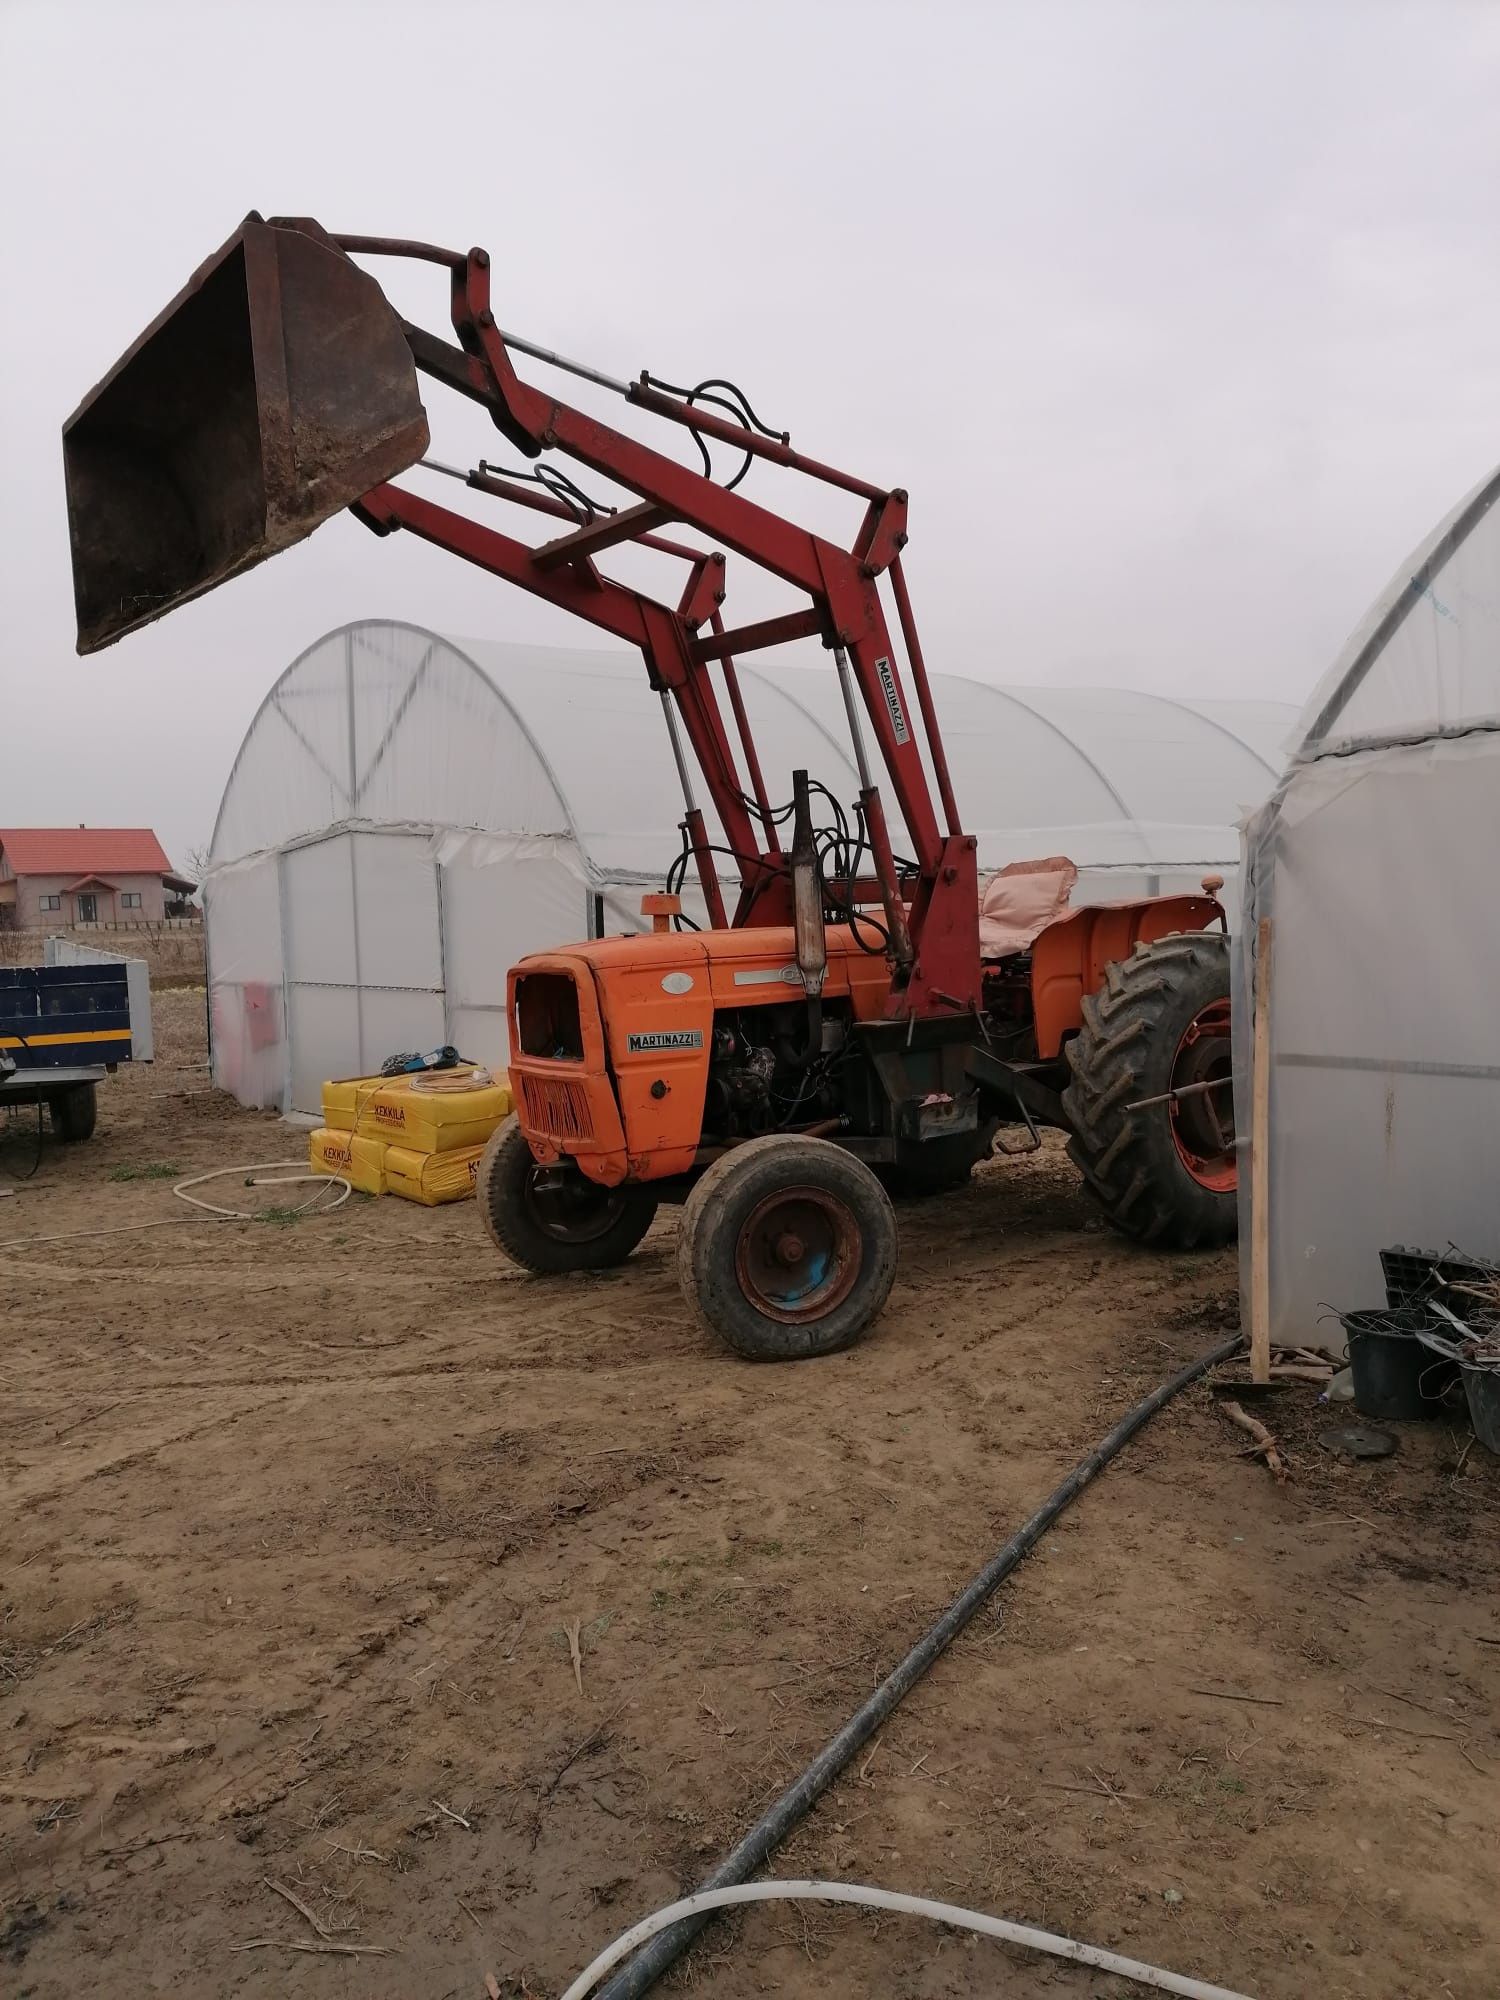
1260,1161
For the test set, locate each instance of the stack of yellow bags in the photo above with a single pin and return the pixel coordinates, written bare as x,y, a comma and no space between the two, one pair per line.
417,1135
434,1126
336,1149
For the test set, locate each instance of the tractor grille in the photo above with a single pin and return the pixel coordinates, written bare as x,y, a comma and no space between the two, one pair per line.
556,1107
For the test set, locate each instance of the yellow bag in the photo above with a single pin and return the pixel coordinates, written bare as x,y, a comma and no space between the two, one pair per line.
437,1111
431,1178
345,1096
360,1161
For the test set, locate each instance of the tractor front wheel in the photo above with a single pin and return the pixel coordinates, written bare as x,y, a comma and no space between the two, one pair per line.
554,1219
787,1248
1156,1034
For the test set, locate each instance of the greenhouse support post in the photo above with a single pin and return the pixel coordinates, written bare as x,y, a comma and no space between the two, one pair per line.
1260,1161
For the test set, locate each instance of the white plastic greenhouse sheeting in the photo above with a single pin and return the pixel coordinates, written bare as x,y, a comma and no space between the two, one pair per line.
409,814
332,954
1374,862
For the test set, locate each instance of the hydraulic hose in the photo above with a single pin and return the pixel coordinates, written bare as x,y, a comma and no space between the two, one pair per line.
798,1800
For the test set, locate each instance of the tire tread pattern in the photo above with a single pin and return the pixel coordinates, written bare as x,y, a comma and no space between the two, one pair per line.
1131,1029
500,1190
709,1230
74,1114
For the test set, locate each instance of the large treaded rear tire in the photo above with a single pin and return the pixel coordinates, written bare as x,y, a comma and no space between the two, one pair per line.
766,1193
591,1229
1132,1030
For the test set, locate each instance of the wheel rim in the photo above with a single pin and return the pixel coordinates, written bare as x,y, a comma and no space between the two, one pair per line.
1203,1123
570,1208
798,1254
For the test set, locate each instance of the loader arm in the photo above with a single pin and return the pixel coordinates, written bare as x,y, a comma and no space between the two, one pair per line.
280,388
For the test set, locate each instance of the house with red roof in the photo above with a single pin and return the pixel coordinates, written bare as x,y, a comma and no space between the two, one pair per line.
58,877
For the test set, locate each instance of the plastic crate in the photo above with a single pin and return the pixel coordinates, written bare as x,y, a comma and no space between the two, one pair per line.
1422,1277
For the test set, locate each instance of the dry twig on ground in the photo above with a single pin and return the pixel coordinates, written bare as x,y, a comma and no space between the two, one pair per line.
1265,1444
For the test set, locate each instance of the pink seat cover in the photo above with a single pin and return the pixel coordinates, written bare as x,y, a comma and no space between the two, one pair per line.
1017,904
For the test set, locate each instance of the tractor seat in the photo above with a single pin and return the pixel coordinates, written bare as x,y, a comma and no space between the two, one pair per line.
1017,904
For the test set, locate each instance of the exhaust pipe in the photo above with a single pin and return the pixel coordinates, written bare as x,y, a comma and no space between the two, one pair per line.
275,389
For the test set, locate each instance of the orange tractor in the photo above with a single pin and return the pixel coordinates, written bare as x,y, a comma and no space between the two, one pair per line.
837,1036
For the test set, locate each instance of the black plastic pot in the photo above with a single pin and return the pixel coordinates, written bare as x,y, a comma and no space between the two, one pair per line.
1396,1378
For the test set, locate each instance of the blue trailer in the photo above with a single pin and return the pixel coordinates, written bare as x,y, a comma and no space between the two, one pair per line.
63,1027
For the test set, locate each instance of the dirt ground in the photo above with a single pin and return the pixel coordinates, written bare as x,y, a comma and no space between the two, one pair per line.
299,1516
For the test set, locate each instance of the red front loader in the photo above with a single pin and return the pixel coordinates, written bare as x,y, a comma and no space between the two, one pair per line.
837,1034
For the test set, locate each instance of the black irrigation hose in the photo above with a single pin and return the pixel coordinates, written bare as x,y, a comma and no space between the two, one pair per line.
798,1800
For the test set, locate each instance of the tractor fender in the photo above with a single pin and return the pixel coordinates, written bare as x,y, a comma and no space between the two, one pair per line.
1068,958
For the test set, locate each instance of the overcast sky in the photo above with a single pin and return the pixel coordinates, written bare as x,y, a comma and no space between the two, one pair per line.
1181,323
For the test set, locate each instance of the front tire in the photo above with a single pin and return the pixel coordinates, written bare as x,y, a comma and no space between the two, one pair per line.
787,1248
1165,1175
553,1220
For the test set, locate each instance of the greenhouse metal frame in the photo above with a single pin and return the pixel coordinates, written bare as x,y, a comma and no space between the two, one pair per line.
1367,879
409,814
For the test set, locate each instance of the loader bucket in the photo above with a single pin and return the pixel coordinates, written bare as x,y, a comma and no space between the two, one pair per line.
276,388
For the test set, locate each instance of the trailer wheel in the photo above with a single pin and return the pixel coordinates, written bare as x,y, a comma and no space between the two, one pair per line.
1165,1175
74,1113
554,1219
787,1248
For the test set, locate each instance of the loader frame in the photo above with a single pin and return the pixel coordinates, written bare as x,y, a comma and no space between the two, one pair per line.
929,912
279,388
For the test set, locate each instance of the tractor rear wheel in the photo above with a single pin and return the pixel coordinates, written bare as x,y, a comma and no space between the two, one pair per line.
1158,1025
787,1248
554,1219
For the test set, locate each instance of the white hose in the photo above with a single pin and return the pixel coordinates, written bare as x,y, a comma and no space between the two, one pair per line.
288,1175
212,1212
914,1906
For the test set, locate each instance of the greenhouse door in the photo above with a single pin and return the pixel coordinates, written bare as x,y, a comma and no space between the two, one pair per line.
364,956
501,899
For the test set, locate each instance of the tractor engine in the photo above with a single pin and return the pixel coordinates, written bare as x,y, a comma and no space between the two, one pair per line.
772,1067
1008,1005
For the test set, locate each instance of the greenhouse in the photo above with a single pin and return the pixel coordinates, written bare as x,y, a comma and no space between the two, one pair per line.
1367,883
410,813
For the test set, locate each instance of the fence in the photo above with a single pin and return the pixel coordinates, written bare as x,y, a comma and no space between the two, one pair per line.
172,949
